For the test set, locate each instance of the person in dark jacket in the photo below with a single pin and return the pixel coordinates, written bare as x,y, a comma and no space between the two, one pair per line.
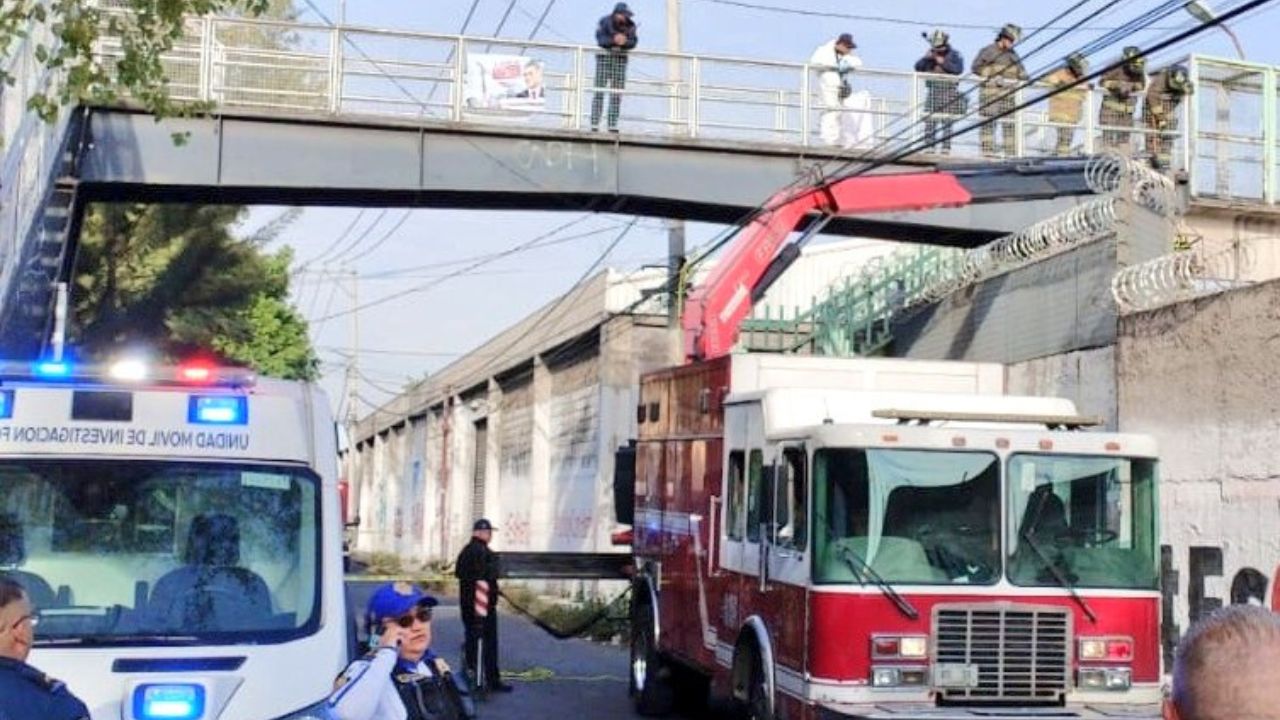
477,572
943,102
400,678
25,692
615,34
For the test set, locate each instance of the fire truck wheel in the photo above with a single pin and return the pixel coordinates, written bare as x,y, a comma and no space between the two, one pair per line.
757,707
651,690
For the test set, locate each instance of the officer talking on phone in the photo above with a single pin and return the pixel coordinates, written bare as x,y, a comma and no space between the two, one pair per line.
400,678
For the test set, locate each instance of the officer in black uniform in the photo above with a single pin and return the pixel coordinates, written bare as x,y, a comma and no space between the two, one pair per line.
24,691
477,562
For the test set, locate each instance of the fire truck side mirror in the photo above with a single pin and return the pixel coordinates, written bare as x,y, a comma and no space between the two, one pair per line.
624,483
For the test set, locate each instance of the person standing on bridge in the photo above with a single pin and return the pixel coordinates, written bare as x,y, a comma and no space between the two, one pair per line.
400,678
1121,87
1067,107
834,61
1227,667
1160,112
616,35
943,102
1001,71
25,692
477,572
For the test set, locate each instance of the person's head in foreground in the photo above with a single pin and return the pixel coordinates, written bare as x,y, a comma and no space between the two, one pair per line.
17,621
1228,668
402,611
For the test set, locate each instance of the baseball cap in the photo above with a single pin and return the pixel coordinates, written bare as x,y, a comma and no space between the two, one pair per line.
395,599
621,8
846,39
482,524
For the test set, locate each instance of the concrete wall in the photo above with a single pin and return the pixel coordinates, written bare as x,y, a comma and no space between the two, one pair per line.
1086,377
1201,377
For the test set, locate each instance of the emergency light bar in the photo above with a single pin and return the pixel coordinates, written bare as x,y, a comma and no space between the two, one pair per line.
128,372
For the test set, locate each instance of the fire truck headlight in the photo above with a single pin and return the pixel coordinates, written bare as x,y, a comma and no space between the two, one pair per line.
913,647
883,677
1093,649
1115,679
893,647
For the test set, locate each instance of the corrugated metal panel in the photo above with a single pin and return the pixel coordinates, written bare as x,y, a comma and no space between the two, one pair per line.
515,456
1060,304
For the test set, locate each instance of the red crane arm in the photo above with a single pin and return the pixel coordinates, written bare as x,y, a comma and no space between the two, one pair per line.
715,309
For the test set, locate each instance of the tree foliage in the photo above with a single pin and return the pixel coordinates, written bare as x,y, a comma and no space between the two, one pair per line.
66,32
175,280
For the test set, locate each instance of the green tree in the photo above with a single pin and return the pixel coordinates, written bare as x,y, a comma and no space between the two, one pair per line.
176,281
65,33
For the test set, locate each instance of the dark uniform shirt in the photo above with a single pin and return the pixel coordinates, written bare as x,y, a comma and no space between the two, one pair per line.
25,692
476,562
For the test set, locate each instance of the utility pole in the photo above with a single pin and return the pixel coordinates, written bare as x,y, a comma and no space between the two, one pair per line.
675,228
353,367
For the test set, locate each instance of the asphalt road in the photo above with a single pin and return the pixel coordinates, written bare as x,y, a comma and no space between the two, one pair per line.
552,678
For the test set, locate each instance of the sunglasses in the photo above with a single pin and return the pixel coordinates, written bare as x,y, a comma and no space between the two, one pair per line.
421,615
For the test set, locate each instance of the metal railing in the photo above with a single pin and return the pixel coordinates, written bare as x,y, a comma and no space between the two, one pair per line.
359,72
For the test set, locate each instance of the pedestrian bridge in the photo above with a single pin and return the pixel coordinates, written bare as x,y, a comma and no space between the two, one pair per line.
318,115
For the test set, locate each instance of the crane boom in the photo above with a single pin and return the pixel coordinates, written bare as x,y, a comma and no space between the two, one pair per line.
715,309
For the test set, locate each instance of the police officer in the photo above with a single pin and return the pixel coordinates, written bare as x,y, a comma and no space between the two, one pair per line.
942,101
477,572
24,691
1121,87
1067,107
1160,112
1001,70
400,678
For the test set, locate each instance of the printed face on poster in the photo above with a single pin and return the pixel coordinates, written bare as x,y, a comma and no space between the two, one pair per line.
504,82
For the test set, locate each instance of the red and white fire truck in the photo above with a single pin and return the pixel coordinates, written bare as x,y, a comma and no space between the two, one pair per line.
874,538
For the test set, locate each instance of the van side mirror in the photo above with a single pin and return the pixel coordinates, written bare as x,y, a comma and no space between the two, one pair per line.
624,484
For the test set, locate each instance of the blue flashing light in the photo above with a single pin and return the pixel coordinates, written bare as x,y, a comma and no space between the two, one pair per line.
218,410
6,404
52,369
169,702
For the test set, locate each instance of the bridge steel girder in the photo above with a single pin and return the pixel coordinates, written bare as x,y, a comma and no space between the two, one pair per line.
262,160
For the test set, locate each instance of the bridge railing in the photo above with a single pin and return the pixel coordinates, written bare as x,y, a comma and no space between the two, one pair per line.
355,72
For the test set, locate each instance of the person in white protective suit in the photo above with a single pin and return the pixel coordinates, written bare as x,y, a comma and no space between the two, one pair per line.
833,62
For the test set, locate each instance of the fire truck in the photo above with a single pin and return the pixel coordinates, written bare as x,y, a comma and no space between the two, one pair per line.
824,537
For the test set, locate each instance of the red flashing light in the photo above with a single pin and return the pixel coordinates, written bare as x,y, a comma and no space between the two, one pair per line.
195,373
884,647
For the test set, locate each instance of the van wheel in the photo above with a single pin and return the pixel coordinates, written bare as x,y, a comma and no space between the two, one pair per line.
651,690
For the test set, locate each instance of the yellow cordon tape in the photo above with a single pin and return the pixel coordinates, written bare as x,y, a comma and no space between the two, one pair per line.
542,674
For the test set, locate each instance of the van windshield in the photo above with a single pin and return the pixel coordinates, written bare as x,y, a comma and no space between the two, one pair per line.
911,516
153,553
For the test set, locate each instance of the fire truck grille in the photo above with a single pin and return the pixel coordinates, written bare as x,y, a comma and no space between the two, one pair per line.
1020,652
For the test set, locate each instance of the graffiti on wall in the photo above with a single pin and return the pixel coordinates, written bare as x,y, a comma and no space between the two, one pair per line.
515,529
1189,590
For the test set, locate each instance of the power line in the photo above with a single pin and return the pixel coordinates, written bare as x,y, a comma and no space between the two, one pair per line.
882,19
387,235
479,263
359,238
335,243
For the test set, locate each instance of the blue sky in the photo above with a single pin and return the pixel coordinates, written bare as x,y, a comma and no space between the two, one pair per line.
432,326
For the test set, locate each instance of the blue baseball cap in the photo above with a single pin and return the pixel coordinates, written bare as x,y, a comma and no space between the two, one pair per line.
395,599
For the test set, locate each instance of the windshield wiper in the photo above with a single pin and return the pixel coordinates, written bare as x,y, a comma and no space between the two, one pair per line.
1051,566
856,561
113,640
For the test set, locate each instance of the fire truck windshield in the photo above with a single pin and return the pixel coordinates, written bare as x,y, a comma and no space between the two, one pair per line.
914,516
1092,519
118,552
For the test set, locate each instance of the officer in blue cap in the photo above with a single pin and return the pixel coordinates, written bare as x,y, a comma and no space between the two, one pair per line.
25,692
400,678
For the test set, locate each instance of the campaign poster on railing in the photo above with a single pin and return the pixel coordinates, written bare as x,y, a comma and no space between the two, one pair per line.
504,82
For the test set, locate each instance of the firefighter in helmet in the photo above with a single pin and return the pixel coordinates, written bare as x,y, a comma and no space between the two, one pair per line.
1067,107
1121,87
1160,111
942,101
1001,71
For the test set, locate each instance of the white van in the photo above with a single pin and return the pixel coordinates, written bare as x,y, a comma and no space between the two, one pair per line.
177,529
